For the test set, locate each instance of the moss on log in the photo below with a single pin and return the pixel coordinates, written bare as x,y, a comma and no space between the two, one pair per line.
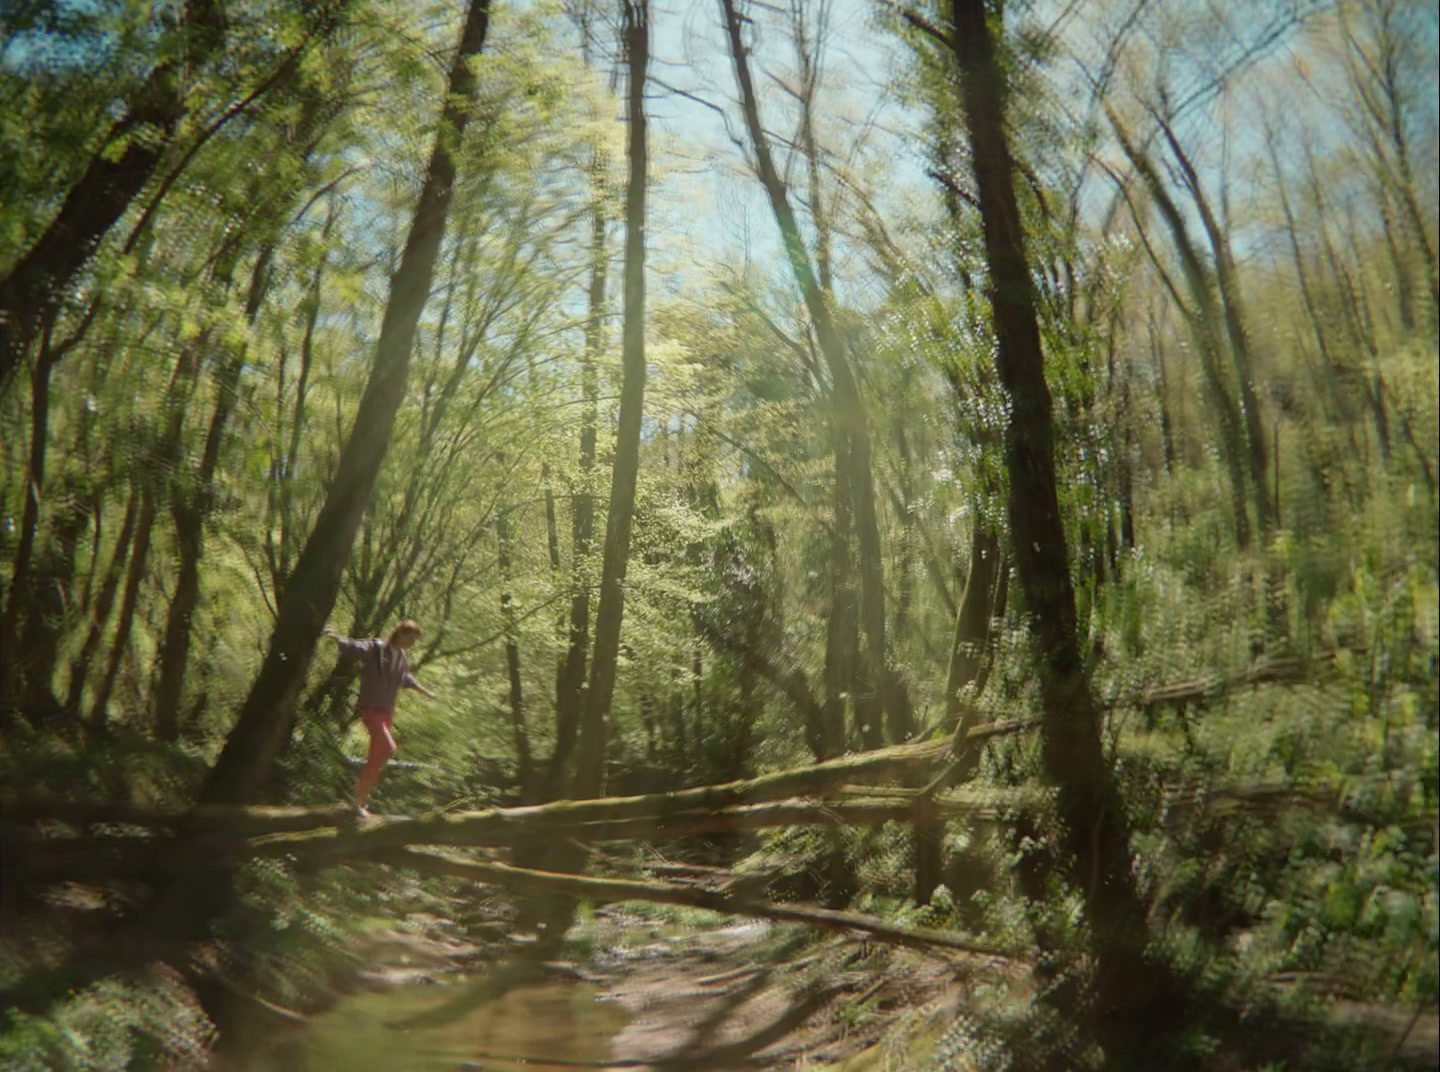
609,890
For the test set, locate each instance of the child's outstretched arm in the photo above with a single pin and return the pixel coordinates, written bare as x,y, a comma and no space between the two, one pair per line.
349,649
410,683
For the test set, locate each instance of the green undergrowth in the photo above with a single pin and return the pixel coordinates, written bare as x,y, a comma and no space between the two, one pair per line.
293,941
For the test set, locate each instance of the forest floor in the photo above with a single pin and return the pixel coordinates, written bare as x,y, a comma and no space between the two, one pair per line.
654,993
702,998
444,981
714,994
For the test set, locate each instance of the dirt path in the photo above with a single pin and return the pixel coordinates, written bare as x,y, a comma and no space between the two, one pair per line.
661,991
753,995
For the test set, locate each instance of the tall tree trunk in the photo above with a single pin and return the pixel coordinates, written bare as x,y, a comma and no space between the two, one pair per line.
1239,336
12,661
1125,474
809,60
129,603
1302,274
1384,104
278,502
30,654
849,407
905,580
972,622
48,606
190,511
1131,994
164,458
34,288
968,651
1162,388
570,676
267,717
524,771
100,609
1205,322
594,732
842,629
1404,289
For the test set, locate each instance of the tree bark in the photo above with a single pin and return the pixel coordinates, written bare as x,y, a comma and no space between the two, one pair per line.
1162,391
1387,117
594,731
266,719
1133,997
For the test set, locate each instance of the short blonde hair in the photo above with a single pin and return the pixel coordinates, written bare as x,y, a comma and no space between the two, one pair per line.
406,627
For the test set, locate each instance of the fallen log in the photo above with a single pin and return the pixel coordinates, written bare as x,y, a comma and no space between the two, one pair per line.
36,858
916,757
39,855
610,890
238,820
507,827
1280,670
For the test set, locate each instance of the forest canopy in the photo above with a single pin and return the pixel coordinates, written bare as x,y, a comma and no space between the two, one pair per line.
1045,393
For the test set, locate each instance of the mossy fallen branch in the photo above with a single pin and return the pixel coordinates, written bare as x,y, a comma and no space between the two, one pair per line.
610,890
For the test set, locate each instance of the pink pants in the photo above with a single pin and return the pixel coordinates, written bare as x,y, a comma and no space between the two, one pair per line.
381,725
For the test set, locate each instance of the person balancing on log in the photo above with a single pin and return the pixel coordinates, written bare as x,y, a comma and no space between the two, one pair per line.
384,671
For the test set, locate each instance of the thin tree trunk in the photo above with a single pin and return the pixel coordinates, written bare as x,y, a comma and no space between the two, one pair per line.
1404,289
1239,337
190,511
524,772
972,622
1388,115
129,601
570,676
263,728
842,628
280,501
594,729
1205,320
905,580
1302,274
12,661
968,652
104,600
809,78
849,407
552,529
1126,475
48,604
1132,995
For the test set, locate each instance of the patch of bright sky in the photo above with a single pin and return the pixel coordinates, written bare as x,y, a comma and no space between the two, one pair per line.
708,207
55,34
1220,62
1242,79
